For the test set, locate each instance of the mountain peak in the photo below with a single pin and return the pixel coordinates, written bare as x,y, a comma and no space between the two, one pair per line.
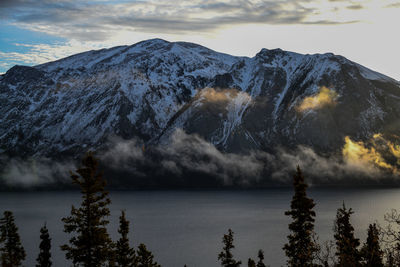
151,42
147,90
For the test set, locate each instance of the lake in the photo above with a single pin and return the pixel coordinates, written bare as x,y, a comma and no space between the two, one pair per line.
186,227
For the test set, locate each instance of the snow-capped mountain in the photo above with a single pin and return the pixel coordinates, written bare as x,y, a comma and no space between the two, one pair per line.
151,88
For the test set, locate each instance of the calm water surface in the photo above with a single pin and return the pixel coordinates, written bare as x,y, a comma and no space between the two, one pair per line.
186,227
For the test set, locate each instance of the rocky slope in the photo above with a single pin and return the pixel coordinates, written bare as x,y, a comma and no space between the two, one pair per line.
149,89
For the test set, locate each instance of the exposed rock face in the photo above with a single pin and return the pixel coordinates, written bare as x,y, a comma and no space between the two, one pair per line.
147,90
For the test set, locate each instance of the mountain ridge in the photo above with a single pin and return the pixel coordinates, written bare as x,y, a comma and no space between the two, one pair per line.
146,91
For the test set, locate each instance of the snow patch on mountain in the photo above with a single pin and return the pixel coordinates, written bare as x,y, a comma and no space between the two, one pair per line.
235,109
148,89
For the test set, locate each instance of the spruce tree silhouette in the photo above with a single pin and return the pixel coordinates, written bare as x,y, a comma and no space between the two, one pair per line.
11,249
44,258
251,263
371,251
145,258
226,256
260,262
301,248
125,256
91,245
346,244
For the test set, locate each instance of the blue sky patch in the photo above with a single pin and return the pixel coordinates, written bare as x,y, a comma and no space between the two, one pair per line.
11,36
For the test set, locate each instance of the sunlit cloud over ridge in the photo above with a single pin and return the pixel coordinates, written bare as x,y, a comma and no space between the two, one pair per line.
222,95
372,154
325,97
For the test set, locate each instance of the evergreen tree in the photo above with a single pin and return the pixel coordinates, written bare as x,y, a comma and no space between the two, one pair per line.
251,263
346,243
301,248
125,255
11,249
43,260
260,262
226,256
145,258
91,245
372,253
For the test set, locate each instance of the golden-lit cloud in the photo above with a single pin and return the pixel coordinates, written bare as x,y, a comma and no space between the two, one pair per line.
325,97
393,149
212,95
222,95
369,155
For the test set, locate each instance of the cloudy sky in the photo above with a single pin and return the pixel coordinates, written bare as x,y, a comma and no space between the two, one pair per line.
365,31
